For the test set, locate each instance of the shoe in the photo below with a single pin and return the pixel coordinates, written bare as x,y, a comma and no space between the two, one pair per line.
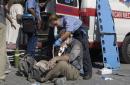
60,81
36,83
87,77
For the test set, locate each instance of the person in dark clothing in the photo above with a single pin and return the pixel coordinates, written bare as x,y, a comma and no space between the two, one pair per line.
75,26
33,8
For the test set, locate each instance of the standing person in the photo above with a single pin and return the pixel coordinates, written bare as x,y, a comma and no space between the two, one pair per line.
14,16
76,27
2,40
33,8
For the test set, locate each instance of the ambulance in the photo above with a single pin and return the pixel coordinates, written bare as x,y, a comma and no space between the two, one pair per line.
86,11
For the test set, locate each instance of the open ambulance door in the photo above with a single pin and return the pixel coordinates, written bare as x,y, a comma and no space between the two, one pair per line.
67,7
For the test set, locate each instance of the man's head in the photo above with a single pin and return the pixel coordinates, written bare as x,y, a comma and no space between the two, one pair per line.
55,20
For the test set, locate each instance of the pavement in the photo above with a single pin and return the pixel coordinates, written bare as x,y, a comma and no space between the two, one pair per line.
120,77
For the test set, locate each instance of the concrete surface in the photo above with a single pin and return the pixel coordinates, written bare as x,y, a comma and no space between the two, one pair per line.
120,77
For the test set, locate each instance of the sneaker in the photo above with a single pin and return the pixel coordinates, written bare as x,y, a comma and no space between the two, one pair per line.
60,81
36,83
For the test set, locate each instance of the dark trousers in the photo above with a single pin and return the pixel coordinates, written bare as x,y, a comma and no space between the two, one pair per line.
82,36
31,45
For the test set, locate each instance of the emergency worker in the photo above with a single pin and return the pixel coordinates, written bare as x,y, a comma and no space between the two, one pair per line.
78,29
33,8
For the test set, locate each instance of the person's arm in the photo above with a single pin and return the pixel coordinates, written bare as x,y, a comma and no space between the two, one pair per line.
19,12
10,20
9,4
75,52
61,58
72,24
8,17
65,36
62,38
19,16
53,61
31,10
38,16
31,6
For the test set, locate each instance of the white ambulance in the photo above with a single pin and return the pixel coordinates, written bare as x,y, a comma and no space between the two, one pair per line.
86,10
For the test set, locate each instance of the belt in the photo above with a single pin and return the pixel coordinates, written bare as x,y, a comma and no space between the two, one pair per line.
80,30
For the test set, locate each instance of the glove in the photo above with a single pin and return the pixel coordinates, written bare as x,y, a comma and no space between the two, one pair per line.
58,42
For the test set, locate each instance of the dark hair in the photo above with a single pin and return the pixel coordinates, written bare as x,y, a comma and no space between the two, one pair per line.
16,1
54,17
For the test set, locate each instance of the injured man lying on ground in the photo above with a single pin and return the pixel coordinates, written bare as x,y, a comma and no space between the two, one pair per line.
68,63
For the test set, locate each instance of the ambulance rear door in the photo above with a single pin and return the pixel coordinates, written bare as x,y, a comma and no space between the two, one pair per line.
67,7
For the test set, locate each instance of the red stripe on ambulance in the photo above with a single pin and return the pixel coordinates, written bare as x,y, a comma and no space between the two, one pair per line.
116,14
62,9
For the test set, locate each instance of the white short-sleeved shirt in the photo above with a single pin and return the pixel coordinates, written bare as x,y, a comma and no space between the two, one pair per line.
12,33
15,10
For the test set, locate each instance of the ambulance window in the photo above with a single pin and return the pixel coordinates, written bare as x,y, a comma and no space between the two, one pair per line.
68,2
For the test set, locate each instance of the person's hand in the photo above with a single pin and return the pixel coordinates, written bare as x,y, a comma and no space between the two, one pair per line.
63,44
12,25
58,42
52,63
39,44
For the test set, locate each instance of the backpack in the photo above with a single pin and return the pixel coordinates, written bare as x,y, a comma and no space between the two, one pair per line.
25,65
28,69
28,21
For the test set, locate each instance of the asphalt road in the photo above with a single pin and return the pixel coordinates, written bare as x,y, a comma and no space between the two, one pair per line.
121,77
